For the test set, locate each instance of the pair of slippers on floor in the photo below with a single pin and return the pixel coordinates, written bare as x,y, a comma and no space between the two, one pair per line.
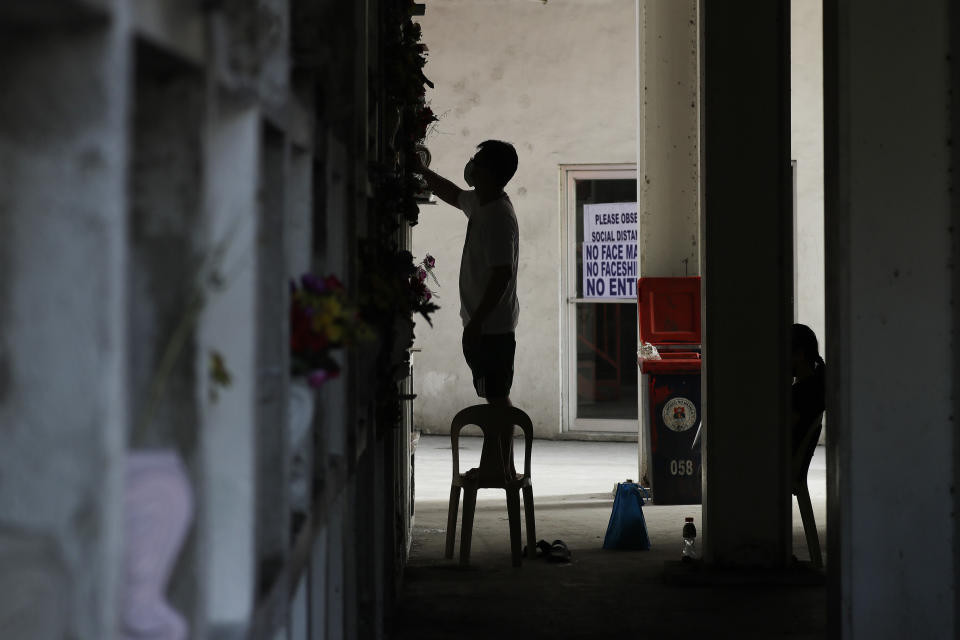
556,551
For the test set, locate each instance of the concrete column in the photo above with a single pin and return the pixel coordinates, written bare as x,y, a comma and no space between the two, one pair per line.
318,583
334,542
335,580
299,613
299,212
747,285
668,156
63,260
273,362
892,255
229,418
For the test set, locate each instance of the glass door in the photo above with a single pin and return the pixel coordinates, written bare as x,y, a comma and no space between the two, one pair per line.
600,238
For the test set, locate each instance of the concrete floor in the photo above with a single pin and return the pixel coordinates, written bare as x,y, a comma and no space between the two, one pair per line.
601,594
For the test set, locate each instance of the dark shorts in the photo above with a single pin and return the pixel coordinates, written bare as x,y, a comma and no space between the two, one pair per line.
491,362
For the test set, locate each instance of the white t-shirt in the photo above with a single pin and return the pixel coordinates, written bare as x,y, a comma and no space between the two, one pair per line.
493,240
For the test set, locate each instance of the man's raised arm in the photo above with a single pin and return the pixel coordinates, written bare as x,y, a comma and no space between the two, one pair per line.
445,190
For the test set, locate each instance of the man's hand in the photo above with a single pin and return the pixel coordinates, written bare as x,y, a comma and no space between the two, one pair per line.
445,190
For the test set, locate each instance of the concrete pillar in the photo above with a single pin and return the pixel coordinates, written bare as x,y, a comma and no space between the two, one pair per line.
747,284
63,260
229,418
892,255
318,584
335,580
299,613
668,156
273,362
299,209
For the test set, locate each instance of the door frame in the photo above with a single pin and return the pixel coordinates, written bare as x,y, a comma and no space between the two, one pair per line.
569,173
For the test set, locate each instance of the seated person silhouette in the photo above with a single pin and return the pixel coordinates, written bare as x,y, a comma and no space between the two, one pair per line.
808,393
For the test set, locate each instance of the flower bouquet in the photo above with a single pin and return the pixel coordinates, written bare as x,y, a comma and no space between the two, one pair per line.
321,319
421,294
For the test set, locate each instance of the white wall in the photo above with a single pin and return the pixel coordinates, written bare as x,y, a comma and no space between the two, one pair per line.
558,80
806,78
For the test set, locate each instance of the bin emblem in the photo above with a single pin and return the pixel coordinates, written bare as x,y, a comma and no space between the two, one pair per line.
679,414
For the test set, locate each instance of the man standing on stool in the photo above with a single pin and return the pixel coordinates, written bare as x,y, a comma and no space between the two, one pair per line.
488,271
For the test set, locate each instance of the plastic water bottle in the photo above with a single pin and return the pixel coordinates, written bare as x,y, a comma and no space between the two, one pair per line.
688,552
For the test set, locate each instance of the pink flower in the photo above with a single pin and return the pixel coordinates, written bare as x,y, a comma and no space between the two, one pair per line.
320,376
421,274
430,261
427,295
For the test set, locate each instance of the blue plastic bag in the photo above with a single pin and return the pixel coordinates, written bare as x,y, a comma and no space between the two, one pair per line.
627,528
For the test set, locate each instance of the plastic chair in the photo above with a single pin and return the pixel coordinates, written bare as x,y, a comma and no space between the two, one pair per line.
801,464
496,471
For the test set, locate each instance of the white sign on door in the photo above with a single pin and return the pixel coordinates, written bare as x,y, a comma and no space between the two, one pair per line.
610,250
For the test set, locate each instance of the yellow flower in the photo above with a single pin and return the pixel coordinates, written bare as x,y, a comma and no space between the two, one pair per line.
331,307
335,333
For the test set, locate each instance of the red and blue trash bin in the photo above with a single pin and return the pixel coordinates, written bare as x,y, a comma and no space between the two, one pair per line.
668,312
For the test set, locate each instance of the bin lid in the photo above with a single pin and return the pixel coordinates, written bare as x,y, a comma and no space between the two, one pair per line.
668,310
